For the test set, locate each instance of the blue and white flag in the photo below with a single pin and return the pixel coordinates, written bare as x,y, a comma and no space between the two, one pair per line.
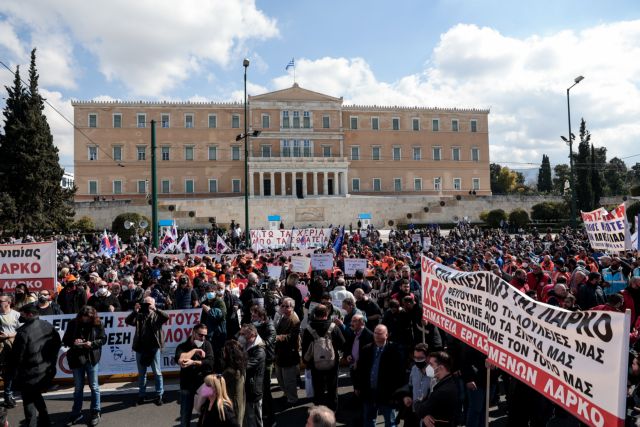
115,245
291,63
105,245
337,245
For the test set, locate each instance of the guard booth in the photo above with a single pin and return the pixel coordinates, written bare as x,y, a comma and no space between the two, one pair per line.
274,222
364,220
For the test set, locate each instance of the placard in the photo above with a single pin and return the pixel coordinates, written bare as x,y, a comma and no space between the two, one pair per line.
608,231
351,265
300,264
32,263
274,271
322,261
296,238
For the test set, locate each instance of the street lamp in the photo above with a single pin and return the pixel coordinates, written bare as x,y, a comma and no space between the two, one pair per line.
245,64
570,141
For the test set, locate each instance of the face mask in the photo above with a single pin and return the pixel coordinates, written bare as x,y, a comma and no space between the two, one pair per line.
43,298
198,343
102,292
430,372
420,364
206,391
211,295
220,292
242,340
256,323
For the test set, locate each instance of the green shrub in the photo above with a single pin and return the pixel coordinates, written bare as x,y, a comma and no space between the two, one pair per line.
495,216
84,224
118,225
549,211
483,216
519,218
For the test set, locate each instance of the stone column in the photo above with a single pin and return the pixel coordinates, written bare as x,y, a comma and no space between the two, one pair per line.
250,177
345,183
325,182
315,183
304,183
261,184
283,183
272,184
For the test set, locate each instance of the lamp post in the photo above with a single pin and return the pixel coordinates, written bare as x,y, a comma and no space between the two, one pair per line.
571,138
245,64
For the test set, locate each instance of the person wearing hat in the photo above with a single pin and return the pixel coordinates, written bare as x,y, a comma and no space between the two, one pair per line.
72,297
33,359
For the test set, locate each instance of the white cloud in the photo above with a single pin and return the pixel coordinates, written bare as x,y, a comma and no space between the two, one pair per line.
61,129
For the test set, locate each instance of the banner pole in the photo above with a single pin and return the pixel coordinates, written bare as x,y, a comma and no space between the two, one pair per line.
487,397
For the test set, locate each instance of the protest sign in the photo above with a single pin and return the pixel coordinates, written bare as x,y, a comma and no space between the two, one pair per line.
274,271
426,243
351,265
322,261
118,356
31,263
300,264
577,360
415,238
296,238
607,231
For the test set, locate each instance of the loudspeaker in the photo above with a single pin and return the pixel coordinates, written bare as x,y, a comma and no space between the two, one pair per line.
171,208
458,197
442,203
426,209
409,216
390,223
192,214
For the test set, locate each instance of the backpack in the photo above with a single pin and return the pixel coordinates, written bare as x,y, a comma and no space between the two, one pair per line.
321,350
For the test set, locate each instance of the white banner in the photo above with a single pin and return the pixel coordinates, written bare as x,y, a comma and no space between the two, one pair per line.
351,265
607,231
298,238
426,243
300,264
575,359
274,271
117,355
322,261
32,263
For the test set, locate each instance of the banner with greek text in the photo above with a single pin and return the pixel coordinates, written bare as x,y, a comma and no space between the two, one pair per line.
31,263
301,238
118,356
577,360
608,231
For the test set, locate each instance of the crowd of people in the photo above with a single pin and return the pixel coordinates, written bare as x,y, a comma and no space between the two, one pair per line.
254,327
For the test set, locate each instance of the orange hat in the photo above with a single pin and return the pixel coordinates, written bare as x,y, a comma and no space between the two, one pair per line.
70,278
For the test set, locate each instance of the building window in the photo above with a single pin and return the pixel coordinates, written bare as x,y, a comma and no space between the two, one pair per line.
235,185
377,184
355,185
188,152
117,120
235,152
285,149
475,184
435,125
375,153
475,154
297,152
457,184
417,153
117,153
395,123
142,187
417,184
188,186
164,120
266,151
306,120
397,153
235,121
285,119
117,187
455,154
93,120
474,126
93,187
213,152
325,122
437,183
437,154
213,186
164,151
416,124
188,121
355,153
165,186
397,184
354,122
326,151
93,153
307,148
296,119
142,153
213,121
265,121
375,123
141,120
454,125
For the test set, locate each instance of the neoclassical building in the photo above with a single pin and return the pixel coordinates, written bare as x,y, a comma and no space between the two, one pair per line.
309,145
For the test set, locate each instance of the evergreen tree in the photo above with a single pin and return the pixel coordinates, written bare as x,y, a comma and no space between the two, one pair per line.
545,184
30,174
598,158
582,168
561,178
615,176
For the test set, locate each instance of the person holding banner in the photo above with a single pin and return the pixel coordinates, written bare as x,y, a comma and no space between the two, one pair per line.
85,337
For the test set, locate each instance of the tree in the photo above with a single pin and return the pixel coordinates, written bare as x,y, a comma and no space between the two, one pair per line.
549,211
545,184
30,172
561,178
519,218
615,177
495,217
598,162
504,180
582,164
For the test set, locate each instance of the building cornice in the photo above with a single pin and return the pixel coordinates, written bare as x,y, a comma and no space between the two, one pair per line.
85,103
383,108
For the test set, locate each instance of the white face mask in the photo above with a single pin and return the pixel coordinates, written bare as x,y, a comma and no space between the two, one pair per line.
430,372
198,343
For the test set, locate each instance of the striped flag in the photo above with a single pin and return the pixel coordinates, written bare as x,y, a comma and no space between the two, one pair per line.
105,245
221,245
115,245
291,63
183,244
167,242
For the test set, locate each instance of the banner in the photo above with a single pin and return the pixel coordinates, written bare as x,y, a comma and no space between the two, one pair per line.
577,360
298,238
351,265
322,261
608,231
117,355
31,263
274,271
300,264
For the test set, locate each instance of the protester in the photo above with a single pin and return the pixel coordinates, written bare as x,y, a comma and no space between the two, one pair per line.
418,387
72,297
254,348
131,294
287,350
267,332
103,300
235,362
46,307
9,324
213,315
443,406
321,416
217,409
250,296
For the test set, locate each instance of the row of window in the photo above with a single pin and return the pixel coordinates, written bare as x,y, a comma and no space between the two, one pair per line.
189,185
290,148
354,123
165,120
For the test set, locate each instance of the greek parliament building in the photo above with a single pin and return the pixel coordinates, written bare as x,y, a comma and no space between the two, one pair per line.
309,145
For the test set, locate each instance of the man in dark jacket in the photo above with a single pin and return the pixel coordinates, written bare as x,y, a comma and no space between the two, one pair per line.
33,359
185,296
103,300
325,381
443,403
267,332
131,294
72,297
254,346
214,313
590,294
250,296
379,373
287,350
148,342
195,358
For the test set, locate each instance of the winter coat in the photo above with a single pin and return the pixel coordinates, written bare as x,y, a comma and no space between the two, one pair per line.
148,336
80,356
267,332
34,354
255,371
287,351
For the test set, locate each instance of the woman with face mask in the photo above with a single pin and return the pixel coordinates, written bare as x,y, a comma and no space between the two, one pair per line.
214,314
22,296
267,331
217,408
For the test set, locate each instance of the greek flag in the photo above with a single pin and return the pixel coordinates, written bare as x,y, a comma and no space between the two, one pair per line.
290,64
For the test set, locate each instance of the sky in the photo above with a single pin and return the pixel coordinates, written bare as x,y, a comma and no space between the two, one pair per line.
515,58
